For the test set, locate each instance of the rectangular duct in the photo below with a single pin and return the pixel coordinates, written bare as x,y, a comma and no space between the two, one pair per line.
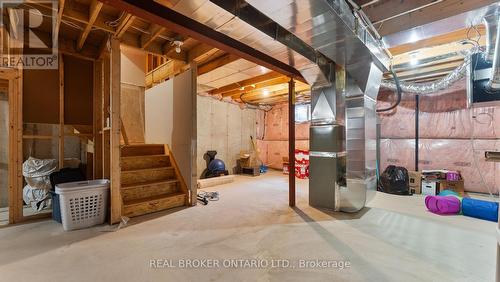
344,150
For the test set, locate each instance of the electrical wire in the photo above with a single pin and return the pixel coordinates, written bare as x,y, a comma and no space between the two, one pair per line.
474,159
472,139
264,107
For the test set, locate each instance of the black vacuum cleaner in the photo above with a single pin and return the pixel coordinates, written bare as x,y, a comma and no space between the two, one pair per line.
215,167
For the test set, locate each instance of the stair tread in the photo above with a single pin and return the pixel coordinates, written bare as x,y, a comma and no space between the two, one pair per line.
139,184
152,198
146,169
143,156
142,145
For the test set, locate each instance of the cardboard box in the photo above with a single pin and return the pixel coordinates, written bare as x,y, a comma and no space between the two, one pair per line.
430,187
457,186
415,182
247,159
433,187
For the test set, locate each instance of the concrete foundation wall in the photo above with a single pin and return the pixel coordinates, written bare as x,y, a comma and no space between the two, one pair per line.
223,127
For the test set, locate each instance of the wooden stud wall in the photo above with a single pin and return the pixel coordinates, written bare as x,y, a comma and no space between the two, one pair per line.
101,160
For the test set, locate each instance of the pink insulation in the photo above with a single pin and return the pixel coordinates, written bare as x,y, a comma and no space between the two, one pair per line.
452,154
274,146
446,128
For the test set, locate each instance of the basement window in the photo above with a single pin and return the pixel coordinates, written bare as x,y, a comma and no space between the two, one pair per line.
302,113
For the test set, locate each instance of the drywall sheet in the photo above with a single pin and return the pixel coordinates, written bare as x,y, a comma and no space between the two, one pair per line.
41,96
225,128
132,112
184,120
170,116
78,91
159,113
133,66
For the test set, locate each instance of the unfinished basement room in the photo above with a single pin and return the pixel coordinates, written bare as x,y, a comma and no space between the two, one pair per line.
249,140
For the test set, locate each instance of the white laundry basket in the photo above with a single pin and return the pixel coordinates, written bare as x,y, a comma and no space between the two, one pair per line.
83,204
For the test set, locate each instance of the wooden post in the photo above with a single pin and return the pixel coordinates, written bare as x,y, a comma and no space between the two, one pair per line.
15,145
106,139
61,111
291,143
116,199
98,117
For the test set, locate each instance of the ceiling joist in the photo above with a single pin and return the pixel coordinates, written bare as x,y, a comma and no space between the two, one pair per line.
154,31
95,8
246,83
124,24
257,86
217,63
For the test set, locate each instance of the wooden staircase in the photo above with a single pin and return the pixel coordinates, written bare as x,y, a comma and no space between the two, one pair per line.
150,180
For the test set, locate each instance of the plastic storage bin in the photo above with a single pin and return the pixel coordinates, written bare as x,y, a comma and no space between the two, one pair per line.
56,207
83,204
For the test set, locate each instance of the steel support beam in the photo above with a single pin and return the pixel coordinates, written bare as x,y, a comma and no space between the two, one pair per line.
291,143
176,22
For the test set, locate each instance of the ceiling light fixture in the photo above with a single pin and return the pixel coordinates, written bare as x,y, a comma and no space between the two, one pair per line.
177,45
414,58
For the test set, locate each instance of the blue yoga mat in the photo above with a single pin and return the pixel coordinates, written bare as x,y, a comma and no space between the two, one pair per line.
480,209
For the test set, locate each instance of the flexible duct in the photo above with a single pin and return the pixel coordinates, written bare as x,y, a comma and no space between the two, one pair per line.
494,82
431,87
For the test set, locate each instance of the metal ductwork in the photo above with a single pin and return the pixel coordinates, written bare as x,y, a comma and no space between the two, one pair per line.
494,82
491,24
490,17
337,55
330,28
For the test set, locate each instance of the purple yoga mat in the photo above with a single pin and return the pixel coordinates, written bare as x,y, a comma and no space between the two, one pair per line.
443,204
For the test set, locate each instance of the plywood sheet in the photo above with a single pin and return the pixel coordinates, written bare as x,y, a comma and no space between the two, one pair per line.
132,112
41,96
78,91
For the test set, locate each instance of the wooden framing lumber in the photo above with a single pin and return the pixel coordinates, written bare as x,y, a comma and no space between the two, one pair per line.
245,83
258,86
98,119
154,31
216,63
125,23
95,8
116,199
60,12
61,111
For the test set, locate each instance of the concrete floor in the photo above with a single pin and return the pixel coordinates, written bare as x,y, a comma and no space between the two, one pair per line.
394,239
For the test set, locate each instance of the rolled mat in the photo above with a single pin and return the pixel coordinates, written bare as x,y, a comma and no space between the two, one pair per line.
209,182
480,209
443,204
